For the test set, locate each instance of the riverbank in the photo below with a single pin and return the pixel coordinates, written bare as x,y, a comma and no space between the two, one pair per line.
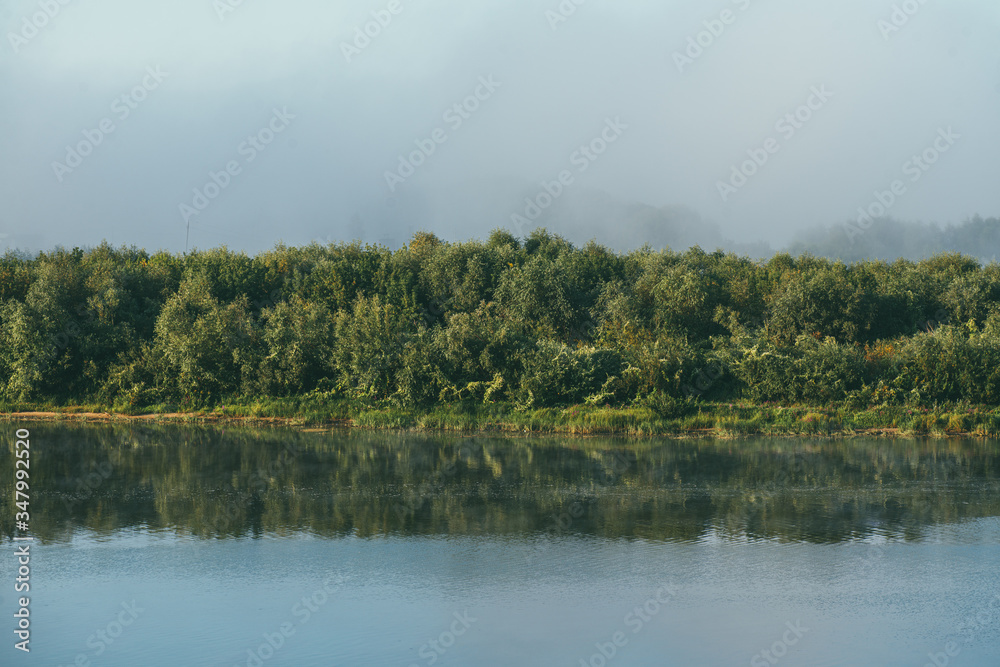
708,419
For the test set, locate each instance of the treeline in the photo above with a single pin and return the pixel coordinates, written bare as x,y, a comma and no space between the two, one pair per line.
531,323
885,238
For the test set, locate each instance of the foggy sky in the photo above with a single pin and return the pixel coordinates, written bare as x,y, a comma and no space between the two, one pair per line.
554,86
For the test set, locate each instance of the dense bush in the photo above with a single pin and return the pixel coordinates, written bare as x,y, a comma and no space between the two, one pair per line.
951,364
297,337
556,374
535,322
367,351
811,371
208,348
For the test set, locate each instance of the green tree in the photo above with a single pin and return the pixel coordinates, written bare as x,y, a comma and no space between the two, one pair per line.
208,348
297,336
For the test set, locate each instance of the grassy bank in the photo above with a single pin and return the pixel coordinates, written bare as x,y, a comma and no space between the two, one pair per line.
692,419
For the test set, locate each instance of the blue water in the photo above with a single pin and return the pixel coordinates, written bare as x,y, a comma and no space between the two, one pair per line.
125,578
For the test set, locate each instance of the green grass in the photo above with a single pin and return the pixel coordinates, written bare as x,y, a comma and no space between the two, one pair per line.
718,419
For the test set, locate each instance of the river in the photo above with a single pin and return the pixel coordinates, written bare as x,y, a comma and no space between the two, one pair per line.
190,545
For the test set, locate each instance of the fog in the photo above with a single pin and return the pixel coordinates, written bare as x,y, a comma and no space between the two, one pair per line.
201,123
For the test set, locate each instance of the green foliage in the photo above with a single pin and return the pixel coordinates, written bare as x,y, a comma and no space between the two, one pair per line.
953,363
536,322
477,356
812,371
208,348
824,301
556,374
297,337
25,353
367,353
540,297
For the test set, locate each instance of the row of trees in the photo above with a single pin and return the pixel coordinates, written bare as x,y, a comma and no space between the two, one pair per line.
887,238
534,321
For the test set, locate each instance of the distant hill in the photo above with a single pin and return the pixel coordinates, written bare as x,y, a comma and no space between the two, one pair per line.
890,239
592,214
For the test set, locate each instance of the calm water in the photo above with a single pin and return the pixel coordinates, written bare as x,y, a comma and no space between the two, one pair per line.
195,546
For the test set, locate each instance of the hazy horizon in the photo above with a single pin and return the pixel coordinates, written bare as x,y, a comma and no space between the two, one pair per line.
294,119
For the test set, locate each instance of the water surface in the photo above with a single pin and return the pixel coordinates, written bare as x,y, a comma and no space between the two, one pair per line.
174,545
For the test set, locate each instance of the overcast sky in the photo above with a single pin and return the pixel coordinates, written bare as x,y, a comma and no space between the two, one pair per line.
664,119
